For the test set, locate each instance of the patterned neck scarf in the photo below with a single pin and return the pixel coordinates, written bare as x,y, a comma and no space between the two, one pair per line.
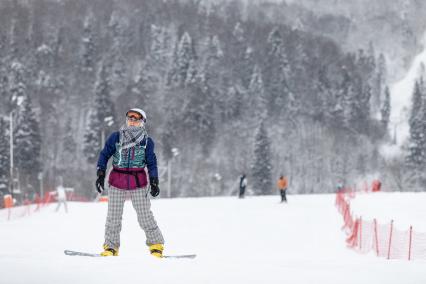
131,135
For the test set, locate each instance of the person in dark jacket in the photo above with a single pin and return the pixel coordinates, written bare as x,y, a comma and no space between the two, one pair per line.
132,151
243,185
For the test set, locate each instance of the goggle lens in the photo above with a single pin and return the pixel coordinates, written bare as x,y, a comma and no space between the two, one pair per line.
134,118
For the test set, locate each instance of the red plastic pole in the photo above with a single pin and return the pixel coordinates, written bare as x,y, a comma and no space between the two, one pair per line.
377,239
410,242
390,239
360,233
345,213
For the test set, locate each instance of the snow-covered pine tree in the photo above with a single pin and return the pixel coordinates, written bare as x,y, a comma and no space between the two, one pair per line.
69,143
160,49
246,67
198,115
103,100
45,57
366,64
27,139
13,40
156,49
241,57
386,109
295,80
183,67
4,154
323,101
363,107
101,113
379,83
146,82
88,47
277,71
181,81
337,108
154,68
152,74
212,59
256,99
17,84
116,59
92,137
206,93
261,167
48,90
4,85
46,84
231,104
362,80
348,100
416,150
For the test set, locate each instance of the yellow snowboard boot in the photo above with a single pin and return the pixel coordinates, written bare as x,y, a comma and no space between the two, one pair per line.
109,251
156,250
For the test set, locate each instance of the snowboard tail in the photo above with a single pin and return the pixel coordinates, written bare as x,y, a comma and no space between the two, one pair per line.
79,253
180,256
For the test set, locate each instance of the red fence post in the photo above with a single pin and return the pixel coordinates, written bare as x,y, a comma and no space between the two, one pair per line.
377,239
353,237
390,239
345,213
360,233
410,242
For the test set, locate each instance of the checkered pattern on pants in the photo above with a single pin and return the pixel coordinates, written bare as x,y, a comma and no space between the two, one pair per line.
141,204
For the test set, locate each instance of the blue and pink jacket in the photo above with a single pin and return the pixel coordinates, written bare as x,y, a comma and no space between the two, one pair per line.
128,164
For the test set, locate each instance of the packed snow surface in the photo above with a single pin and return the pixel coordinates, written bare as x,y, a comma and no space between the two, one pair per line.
251,240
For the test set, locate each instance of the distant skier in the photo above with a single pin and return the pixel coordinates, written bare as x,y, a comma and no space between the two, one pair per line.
376,185
61,196
339,187
243,185
282,186
132,150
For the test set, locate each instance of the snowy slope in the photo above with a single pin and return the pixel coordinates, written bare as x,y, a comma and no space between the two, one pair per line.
406,209
237,241
401,94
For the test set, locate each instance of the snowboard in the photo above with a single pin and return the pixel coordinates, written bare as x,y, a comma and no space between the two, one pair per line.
78,253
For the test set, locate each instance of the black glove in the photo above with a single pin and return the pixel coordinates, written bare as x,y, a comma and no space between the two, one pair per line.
100,181
155,190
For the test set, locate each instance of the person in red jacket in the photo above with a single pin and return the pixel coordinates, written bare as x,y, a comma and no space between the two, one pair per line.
376,186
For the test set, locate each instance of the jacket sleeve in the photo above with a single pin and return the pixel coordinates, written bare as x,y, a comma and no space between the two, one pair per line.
151,159
108,150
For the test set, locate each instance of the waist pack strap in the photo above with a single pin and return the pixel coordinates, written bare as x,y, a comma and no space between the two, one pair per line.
132,173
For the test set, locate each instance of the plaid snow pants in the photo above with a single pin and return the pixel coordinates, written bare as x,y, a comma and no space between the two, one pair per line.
141,204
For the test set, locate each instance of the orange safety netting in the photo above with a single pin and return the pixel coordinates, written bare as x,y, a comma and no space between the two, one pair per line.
29,207
383,239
